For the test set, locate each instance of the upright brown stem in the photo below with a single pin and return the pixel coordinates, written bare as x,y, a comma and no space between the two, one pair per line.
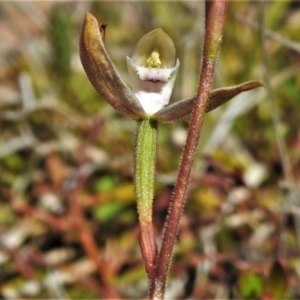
215,19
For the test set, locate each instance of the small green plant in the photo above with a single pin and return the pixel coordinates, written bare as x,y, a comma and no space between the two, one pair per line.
152,70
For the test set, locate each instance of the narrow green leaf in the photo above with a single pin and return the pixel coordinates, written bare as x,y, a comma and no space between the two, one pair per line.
145,159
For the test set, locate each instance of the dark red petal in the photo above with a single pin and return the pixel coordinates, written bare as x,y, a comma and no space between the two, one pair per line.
101,71
181,110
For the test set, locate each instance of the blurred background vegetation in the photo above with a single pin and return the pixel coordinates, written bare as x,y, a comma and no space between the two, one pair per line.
68,224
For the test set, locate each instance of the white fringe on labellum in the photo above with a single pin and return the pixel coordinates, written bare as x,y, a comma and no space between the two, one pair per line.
152,86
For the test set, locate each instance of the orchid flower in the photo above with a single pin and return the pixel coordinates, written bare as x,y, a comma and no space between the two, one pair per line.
152,69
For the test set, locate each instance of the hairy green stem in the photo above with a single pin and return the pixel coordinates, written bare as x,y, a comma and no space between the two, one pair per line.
145,160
